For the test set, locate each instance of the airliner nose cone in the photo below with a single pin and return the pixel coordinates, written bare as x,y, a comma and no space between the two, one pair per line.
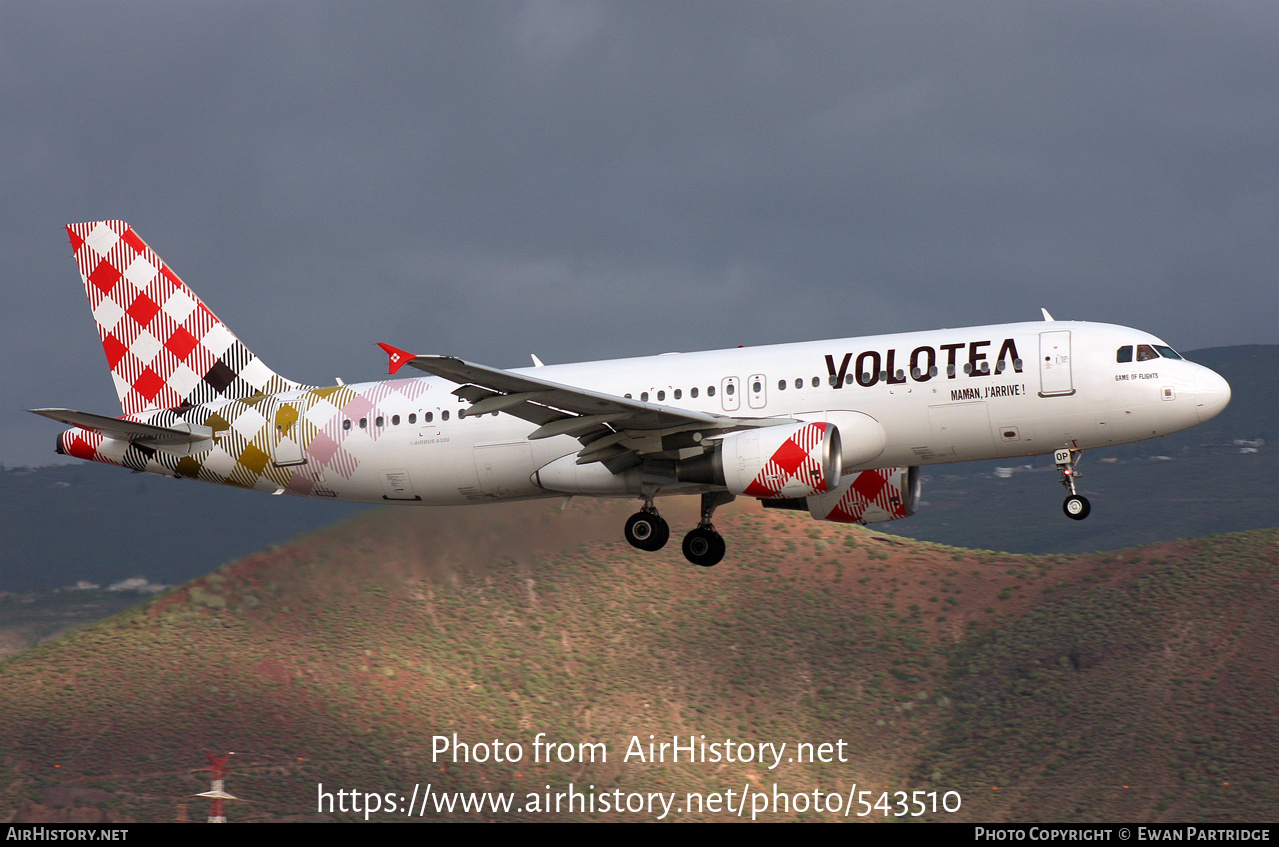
1212,394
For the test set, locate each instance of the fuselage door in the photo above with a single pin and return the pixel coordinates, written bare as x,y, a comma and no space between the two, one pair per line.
961,431
1054,364
288,438
756,386
730,393
504,469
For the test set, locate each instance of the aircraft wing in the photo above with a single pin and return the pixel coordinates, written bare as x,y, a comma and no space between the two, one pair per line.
613,430
127,430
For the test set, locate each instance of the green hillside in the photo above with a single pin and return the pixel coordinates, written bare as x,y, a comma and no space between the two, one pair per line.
1035,687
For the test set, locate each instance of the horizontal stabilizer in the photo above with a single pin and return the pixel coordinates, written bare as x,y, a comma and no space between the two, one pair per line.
128,430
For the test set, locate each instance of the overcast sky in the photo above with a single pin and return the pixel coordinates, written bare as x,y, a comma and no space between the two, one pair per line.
593,180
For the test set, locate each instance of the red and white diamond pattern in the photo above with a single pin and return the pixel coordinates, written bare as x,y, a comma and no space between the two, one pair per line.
797,463
871,496
164,347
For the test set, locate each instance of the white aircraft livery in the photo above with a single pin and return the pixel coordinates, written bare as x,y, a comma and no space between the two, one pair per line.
837,428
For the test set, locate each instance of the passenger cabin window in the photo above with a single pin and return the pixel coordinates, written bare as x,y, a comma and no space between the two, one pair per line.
429,416
1124,354
1145,353
781,385
729,389
661,395
346,424
444,415
644,396
678,393
816,381
710,391
413,418
692,392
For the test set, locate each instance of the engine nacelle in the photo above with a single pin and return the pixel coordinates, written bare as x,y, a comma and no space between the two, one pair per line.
594,480
869,497
785,461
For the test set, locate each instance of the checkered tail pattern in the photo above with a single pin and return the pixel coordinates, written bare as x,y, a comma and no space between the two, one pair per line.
165,348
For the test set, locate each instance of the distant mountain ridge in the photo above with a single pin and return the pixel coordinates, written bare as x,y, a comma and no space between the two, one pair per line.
66,523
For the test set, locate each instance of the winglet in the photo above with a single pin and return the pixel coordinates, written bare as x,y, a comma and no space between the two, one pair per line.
1047,316
398,358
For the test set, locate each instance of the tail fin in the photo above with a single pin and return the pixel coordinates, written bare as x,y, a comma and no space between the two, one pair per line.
165,348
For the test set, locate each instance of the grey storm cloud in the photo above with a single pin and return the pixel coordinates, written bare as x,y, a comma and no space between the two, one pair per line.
589,180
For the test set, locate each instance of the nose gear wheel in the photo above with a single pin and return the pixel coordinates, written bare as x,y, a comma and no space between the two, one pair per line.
1076,505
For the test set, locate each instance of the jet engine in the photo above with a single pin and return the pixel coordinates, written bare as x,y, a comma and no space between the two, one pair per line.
785,461
865,497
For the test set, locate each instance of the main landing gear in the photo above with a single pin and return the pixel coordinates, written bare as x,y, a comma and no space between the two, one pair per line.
647,530
703,546
1076,506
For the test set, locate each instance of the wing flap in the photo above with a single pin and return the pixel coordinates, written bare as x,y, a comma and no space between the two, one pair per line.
616,431
568,398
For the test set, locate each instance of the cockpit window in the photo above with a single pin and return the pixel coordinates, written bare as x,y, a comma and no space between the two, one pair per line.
1124,354
1145,353
1167,352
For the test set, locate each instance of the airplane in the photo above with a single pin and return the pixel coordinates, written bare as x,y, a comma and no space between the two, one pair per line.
837,428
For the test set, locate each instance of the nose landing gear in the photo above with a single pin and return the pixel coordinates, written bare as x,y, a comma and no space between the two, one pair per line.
1076,505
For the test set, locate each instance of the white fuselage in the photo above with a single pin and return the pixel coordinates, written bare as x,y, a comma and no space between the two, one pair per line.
835,427
941,396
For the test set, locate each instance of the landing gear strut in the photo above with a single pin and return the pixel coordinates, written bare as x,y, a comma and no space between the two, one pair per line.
647,530
703,545
1076,506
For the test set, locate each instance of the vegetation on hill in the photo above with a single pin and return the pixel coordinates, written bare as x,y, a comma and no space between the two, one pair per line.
1137,685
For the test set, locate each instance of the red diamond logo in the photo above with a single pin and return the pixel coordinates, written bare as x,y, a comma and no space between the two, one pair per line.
142,309
148,384
104,276
869,484
115,350
181,343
